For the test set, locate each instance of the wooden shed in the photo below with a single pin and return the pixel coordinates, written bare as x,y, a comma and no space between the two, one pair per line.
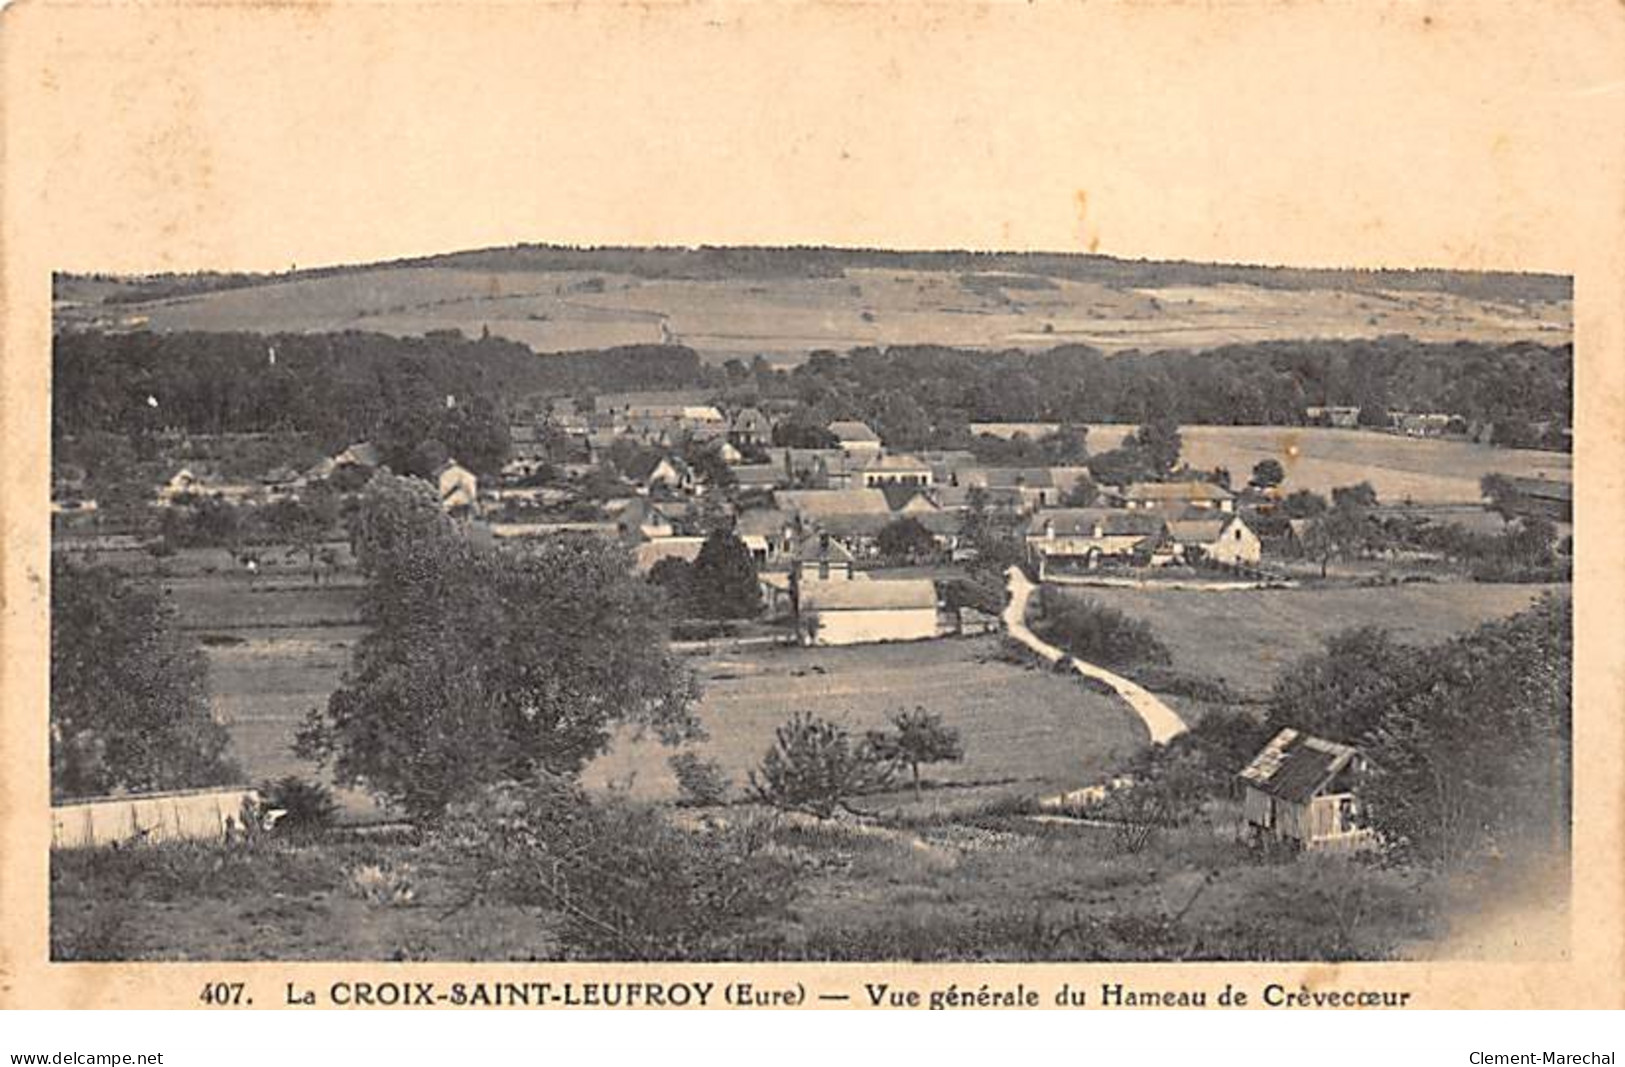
1304,791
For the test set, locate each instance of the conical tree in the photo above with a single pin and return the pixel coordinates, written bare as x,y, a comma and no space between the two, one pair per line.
723,582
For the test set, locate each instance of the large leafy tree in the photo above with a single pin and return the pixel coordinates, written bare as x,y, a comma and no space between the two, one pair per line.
485,664
1480,756
129,694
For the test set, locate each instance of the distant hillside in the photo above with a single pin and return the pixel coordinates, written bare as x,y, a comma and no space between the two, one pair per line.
713,263
783,304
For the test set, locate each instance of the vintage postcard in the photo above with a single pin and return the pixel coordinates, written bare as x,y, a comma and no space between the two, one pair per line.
812,505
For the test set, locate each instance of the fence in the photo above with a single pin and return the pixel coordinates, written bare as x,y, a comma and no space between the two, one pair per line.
186,815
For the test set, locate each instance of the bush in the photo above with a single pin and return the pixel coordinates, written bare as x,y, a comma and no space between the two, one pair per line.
624,882
1096,633
815,767
382,885
700,782
308,808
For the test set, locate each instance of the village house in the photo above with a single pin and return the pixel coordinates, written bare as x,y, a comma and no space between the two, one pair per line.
1344,417
855,438
1225,539
1177,496
1068,540
855,515
1420,423
771,535
821,558
652,472
896,470
1026,488
867,611
749,428
1302,791
459,489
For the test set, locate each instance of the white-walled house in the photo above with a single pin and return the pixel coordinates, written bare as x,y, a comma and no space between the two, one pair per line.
863,611
1178,496
1223,539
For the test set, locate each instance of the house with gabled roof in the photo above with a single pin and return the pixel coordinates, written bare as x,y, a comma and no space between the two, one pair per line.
1074,539
651,471
1177,496
854,437
896,470
1221,538
1303,791
749,428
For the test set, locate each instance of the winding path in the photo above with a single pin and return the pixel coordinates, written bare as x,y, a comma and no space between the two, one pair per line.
1160,720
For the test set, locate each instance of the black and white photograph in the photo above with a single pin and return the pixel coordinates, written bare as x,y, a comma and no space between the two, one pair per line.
769,604
752,505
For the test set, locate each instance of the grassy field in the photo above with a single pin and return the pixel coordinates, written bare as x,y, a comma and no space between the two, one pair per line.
985,888
1320,458
1246,637
786,317
1025,731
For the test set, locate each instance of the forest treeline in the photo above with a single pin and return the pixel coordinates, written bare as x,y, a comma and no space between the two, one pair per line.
347,386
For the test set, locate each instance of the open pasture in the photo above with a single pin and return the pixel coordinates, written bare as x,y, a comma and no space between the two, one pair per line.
1419,470
784,318
1025,731
1247,637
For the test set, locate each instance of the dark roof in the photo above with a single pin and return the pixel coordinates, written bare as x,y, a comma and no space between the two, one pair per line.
816,548
645,463
1295,766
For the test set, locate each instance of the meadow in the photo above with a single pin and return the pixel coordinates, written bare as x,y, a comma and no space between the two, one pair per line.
1026,731
1245,638
1401,469
784,318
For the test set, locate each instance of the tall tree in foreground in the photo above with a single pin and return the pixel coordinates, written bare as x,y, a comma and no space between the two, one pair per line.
1479,758
484,664
129,694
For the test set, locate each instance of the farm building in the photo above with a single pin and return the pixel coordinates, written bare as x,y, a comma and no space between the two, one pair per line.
855,438
896,471
1178,496
865,610
1342,416
1073,539
1224,539
1023,489
1302,790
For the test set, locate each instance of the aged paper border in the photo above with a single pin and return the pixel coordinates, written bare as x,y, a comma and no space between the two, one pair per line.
102,169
